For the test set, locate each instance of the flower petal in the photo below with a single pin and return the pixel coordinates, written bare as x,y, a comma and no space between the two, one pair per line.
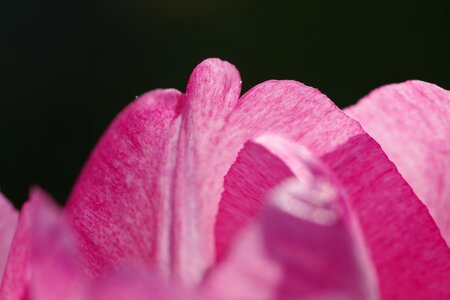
53,253
8,223
254,173
16,274
120,205
40,253
411,122
211,95
305,245
135,286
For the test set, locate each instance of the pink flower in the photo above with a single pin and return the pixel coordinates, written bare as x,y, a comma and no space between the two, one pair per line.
277,194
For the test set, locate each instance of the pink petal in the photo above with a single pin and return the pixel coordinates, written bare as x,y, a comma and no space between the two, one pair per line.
255,172
8,223
41,264
16,275
211,95
120,206
305,245
54,261
134,286
411,121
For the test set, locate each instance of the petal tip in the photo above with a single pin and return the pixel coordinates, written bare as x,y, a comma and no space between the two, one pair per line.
213,70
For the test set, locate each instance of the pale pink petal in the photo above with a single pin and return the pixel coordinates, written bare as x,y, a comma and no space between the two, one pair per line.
42,263
8,223
411,122
54,260
304,245
211,95
136,286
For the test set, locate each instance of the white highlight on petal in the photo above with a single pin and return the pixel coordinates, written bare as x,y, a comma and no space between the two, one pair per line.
314,201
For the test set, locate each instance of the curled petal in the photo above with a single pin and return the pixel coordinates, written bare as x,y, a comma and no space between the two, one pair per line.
254,173
202,160
304,245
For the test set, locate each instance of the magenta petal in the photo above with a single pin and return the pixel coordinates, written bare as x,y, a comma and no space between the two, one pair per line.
8,223
120,207
411,122
305,245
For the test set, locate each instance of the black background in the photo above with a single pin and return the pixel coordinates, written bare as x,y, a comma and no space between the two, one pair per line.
68,67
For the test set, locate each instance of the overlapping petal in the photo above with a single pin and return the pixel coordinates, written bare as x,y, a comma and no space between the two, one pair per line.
304,245
411,122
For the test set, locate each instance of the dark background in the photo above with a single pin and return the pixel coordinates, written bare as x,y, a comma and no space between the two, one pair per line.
68,67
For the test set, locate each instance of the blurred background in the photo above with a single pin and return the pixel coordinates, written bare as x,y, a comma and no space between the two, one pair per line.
68,67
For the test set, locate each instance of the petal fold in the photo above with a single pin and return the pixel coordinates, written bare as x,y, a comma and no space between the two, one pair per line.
211,95
255,172
305,244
